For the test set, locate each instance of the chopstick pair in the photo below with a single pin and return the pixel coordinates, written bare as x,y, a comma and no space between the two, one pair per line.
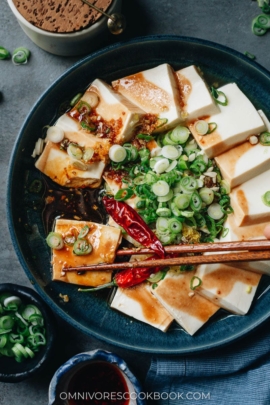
237,252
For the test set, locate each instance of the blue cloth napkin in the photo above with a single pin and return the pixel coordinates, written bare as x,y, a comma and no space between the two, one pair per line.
238,374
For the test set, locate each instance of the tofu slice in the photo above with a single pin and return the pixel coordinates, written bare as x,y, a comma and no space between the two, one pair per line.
196,99
235,123
59,166
190,310
105,241
246,200
155,91
129,238
250,232
243,162
113,179
139,303
229,287
112,110
265,120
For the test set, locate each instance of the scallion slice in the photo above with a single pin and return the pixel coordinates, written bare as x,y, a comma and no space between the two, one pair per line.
161,165
195,202
182,201
215,211
256,29
164,212
4,53
155,278
123,194
20,56
201,127
145,137
55,134
188,184
219,96
161,188
83,232
88,154
170,152
212,126
55,240
175,226
265,138
74,151
207,195
180,134
82,247
117,153
195,282
75,99
266,198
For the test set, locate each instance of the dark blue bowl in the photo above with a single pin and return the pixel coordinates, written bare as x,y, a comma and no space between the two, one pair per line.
10,370
90,313
58,389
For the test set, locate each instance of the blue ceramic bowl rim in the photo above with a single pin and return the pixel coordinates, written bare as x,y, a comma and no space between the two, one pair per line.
86,357
73,322
31,295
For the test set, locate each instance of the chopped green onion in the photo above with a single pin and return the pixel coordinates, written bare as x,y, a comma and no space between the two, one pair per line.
201,127
266,198
155,278
30,310
215,211
182,201
133,151
170,152
123,194
83,108
160,188
6,322
161,165
145,137
212,126
166,197
74,151
82,247
195,282
219,96
164,212
195,202
69,240
4,53
166,140
75,99
55,134
89,127
12,303
179,134
55,240
88,154
250,55
20,56
3,340
207,195
265,138
263,21
174,225
188,184
160,122
83,232
256,29
117,153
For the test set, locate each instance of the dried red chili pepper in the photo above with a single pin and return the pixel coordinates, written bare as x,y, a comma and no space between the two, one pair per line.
128,278
133,224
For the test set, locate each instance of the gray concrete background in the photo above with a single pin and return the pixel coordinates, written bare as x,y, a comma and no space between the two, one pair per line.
227,22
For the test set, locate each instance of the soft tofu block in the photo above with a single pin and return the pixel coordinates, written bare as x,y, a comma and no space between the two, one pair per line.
247,203
242,233
104,240
155,91
235,123
139,303
114,182
243,162
115,117
190,310
196,99
229,287
59,166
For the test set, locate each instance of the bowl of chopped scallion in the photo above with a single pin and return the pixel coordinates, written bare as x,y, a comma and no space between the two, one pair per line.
26,333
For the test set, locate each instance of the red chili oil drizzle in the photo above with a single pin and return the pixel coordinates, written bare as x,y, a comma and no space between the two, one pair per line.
98,383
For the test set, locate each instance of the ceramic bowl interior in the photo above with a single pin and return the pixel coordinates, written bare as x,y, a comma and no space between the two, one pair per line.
12,371
59,386
90,312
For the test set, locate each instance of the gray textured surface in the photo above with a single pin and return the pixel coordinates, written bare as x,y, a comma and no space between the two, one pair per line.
227,22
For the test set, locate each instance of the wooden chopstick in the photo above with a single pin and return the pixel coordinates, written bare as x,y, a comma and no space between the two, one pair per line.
202,247
200,259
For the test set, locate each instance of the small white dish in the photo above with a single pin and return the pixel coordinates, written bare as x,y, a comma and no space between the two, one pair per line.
69,44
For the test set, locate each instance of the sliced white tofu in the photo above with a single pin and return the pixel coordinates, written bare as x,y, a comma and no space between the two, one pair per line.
59,166
243,162
236,121
229,287
129,238
190,310
139,303
114,117
113,179
195,97
242,233
154,91
247,203
104,240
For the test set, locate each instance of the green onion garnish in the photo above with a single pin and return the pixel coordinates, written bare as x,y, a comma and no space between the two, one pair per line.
145,137
266,198
250,55
75,99
17,326
123,194
55,240
265,138
82,247
20,56
83,232
219,96
195,282
4,53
